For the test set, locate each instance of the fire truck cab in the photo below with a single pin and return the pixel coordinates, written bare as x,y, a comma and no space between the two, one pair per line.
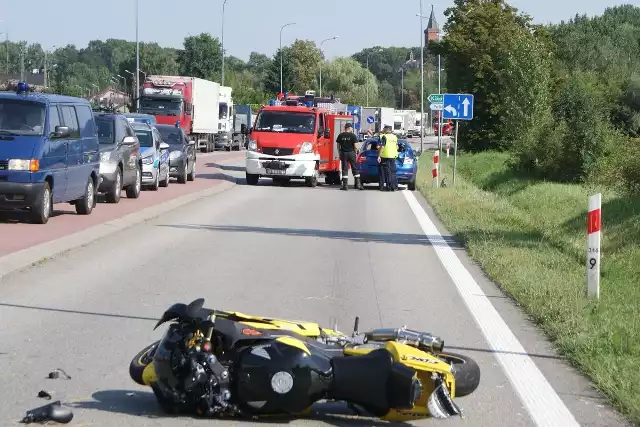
296,139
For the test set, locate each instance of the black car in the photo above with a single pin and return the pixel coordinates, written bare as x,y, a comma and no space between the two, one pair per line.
182,153
120,159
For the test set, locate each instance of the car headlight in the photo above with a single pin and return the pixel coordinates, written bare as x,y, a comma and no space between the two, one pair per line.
306,147
175,154
104,157
147,160
23,165
252,146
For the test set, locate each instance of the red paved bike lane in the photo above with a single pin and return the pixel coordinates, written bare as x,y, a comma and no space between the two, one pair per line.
15,234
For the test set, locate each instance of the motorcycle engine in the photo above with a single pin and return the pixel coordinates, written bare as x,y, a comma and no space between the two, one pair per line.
190,377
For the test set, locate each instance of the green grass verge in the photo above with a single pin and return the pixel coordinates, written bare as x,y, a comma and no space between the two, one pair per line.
530,238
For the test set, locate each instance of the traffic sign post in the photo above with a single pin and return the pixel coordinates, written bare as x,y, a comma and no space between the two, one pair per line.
456,106
436,98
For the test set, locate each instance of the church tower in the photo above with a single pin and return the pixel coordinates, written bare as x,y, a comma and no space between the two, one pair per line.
431,33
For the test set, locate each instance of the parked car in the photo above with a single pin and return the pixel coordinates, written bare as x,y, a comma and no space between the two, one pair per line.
155,156
49,153
406,163
120,160
141,118
182,153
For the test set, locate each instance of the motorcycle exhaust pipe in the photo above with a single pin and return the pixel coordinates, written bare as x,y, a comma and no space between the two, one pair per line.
421,340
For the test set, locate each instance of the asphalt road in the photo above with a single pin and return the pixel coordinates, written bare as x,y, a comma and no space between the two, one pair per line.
318,254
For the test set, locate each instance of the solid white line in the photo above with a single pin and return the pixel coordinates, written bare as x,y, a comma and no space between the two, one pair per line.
540,399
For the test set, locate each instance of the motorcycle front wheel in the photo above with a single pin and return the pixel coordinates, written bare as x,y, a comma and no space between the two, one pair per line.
140,361
467,372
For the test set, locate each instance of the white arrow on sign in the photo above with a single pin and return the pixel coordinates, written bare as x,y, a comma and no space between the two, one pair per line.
465,104
451,110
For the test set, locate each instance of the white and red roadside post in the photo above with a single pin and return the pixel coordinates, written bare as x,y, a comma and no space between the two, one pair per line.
434,171
594,223
448,147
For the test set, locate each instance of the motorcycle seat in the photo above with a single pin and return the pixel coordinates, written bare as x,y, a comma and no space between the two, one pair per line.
374,381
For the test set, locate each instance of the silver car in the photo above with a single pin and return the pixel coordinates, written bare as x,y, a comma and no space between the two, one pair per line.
155,156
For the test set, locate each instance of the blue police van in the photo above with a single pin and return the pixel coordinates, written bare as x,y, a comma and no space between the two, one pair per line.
49,153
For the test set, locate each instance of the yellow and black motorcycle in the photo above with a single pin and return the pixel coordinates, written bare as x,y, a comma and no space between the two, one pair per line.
219,363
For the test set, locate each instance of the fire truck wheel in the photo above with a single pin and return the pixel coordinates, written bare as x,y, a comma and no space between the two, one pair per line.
252,179
311,181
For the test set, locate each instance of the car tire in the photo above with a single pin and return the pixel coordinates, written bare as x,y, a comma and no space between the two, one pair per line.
84,206
156,184
165,182
113,195
182,179
43,208
133,191
252,179
412,185
192,174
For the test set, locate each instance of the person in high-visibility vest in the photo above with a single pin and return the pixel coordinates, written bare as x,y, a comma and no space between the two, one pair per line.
387,154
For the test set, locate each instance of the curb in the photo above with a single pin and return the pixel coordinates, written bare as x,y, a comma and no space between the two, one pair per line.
28,257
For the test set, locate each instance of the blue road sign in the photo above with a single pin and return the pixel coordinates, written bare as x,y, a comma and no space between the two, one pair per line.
457,106
371,119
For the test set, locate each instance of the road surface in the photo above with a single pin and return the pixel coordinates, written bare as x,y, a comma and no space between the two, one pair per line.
318,254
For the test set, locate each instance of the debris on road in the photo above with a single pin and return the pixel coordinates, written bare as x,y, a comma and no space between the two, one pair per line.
44,394
55,374
50,412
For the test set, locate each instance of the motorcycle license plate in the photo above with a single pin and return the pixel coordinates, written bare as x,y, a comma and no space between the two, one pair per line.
276,171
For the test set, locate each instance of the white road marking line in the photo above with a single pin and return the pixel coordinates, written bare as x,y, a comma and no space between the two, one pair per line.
540,399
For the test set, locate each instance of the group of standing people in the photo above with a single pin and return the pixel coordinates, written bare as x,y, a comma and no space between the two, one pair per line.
387,154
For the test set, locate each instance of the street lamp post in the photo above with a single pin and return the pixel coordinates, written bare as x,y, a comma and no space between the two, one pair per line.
137,93
322,59
222,38
282,28
421,80
132,77
45,65
402,87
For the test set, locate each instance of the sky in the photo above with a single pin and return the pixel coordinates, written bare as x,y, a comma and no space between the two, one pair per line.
250,25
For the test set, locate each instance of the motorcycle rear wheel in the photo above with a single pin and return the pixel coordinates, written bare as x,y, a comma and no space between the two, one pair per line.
140,361
467,373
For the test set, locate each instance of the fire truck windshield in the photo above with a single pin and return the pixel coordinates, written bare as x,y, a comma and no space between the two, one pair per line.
285,121
161,107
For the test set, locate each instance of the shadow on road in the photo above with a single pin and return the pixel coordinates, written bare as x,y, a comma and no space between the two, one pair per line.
225,167
144,404
355,236
86,313
489,350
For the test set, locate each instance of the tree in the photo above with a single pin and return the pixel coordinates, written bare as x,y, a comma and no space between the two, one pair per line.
346,78
477,50
272,75
305,58
201,57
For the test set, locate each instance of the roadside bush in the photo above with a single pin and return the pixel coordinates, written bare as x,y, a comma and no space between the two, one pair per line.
579,138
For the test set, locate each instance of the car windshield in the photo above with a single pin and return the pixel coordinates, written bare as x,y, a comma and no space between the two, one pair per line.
145,137
106,131
24,118
285,121
171,136
164,107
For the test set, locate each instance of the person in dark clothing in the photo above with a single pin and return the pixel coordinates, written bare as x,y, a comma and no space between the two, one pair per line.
387,154
348,146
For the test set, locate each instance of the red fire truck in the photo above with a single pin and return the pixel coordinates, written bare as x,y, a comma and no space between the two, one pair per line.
296,139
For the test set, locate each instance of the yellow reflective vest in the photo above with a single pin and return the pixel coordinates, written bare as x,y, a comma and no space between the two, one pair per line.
390,148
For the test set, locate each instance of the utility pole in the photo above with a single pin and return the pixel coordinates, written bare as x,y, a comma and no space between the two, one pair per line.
222,39
421,81
137,92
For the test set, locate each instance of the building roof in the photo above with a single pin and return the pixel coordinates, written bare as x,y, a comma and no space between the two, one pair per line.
433,24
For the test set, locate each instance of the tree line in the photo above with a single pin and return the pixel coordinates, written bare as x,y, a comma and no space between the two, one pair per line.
392,78
563,98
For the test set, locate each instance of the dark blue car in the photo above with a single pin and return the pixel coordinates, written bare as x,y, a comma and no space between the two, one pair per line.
49,153
406,163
